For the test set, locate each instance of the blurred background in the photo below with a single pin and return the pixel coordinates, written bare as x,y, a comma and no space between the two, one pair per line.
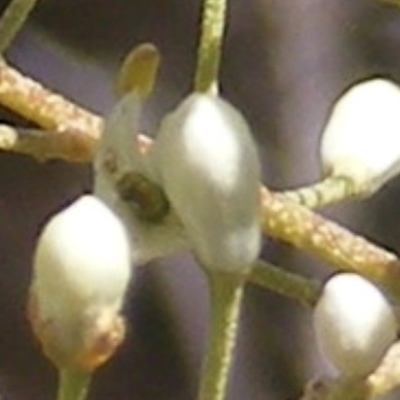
284,63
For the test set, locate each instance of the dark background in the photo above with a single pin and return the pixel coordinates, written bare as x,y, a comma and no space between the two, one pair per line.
284,63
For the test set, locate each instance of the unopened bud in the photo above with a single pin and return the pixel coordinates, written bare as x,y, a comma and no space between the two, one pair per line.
81,273
207,163
354,324
361,139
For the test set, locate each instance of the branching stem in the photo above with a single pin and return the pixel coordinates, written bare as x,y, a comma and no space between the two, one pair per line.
346,251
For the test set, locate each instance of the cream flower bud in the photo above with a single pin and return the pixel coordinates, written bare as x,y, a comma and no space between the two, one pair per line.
354,324
207,164
81,273
362,137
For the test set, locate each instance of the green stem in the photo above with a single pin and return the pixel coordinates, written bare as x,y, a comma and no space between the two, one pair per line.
331,190
12,21
226,291
209,50
291,285
73,384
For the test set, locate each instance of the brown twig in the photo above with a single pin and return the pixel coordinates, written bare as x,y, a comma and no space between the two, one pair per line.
75,129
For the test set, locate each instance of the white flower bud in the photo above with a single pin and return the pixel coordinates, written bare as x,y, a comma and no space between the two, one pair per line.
81,273
362,137
207,164
354,324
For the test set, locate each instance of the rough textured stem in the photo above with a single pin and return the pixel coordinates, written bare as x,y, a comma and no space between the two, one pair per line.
49,110
12,21
73,384
43,145
209,50
330,242
331,190
72,128
276,279
226,292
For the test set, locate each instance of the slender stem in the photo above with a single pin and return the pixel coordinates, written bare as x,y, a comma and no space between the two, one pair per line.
73,384
72,146
12,21
291,285
209,50
226,290
72,131
331,190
